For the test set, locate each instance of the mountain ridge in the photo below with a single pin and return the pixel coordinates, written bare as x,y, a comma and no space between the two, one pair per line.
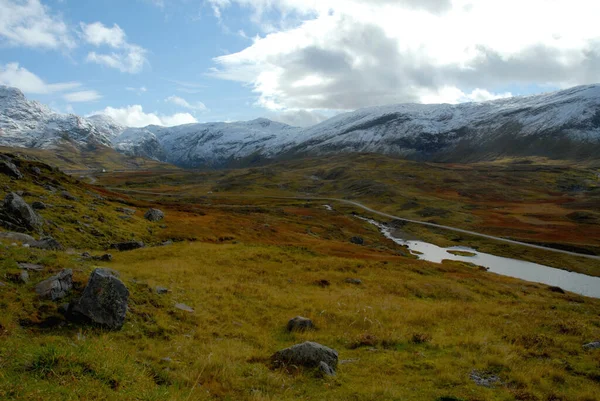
563,124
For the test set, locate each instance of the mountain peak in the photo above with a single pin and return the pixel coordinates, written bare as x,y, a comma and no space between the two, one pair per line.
11,92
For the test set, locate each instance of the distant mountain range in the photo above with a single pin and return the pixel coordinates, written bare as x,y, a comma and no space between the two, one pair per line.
560,125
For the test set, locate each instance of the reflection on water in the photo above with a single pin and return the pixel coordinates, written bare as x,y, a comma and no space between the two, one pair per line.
574,282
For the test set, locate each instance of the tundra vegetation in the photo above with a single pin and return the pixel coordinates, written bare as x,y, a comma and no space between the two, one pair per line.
212,286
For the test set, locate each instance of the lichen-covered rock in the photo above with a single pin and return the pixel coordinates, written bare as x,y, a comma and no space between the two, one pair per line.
154,215
56,287
308,354
300,323
17,215
104,300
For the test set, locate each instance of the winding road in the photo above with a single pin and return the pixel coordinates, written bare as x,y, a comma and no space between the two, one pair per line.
390,216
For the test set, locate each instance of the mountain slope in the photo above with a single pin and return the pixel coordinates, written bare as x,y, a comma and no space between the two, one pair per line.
29,124
212,144
559,125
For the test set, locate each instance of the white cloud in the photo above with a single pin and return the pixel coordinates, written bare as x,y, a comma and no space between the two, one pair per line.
13,75
197,106
188,87
134,116
125,57
141,89
346,54
298,118
82,96
453,95
97,34
29,23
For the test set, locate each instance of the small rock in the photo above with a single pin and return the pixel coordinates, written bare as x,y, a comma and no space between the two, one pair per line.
357,240
484,379
31,267
354,281
325,369
2,284
125,210
56,287
37,205
300,323
36,171
67,195
107,257
556,289
104,300
184,307
166,360
128,245
161,290
24,277
48,243
50,188
9,169
154,215
308,354
591,346
167,243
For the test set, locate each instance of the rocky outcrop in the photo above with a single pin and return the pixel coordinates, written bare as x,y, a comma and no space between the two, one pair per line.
56,287
17,215
8,168
154,215
104,300
308,354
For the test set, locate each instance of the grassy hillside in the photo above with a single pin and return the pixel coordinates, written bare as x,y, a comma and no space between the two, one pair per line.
411,331
69,157
531,200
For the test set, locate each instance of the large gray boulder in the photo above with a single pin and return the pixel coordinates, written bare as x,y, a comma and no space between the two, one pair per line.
17,215
8,168
20,237
104,300
154,215
308,354
56,287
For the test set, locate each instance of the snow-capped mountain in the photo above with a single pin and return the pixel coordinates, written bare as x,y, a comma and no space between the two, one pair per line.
211,144
29,124
564,124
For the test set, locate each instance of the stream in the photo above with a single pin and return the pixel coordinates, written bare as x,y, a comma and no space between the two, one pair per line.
570,281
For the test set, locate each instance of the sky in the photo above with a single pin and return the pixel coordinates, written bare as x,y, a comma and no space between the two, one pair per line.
171,62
